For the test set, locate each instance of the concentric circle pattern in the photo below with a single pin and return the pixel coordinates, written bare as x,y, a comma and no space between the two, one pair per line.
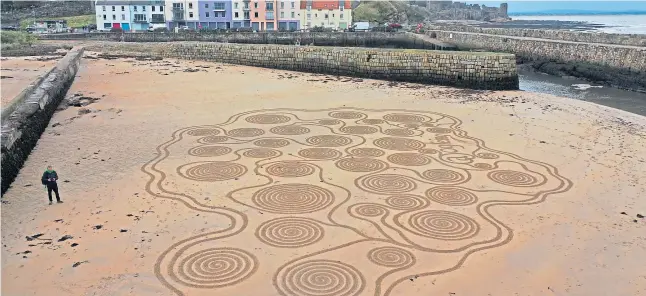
409,159
209,151
359,129
201,132
370,210
245,132
271,143
399,132
346,115
451,196
320,153
321,277
329,122
442,225
444,176
513,178
328,141
290,169
398,144
386,184
261,153
406,202
391,257
213,139
213,171
487,155
483,166
439,130
428,151
401,117
267,119
216,268
293,198
367,152
372,121
290,232
360,164
289,130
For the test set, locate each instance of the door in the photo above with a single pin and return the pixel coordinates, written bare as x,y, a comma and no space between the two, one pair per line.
116,25
125,26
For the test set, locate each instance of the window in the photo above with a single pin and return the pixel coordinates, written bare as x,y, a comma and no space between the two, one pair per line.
341,15
123,17
316,15
309,7
282,14
255,14
236,14
218,6
207,14
140,17
206,5
123,8
190,5
143,8
157,18
161,8
293,4
341,4
255,5
309,16
104,17
112,8
333,15
107,25
190,14
152,8
235,5
246,15
135,8
114,17
269,15
292,14
282,4
326,16
224,14
104,10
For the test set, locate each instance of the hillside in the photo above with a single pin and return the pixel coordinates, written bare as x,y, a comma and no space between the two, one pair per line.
412,12
389,12
13,12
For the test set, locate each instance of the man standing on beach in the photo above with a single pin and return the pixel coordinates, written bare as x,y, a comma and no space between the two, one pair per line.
49,180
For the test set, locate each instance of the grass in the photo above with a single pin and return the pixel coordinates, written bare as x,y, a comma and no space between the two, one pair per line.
15,39
72,21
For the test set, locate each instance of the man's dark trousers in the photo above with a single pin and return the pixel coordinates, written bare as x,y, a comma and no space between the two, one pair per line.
52,186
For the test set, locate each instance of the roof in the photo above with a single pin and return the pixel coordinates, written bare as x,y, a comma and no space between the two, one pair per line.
326,4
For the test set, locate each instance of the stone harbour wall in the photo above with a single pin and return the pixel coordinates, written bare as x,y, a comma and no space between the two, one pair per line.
23,127
562,35
349,39
622,66
462,69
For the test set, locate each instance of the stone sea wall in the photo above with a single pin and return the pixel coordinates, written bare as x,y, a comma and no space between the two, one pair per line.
461,69
23,127
618,65
347,39
563,35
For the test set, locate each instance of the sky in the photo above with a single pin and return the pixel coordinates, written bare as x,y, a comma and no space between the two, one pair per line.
520,6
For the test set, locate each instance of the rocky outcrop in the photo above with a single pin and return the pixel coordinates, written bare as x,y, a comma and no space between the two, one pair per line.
15,11
418,11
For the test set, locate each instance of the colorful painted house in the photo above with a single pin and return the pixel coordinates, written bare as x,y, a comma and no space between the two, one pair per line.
147,15
112,14
289,18
335,14
215,14
182,13
241,14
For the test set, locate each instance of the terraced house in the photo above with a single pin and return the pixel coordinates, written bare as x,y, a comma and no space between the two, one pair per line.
129,15
261,15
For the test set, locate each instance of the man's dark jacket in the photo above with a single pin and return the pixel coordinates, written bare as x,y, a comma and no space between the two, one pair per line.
49,175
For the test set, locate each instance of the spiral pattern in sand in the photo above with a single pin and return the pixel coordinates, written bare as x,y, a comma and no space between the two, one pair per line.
213,171
201,132
321,278
245,132
367,152
346,115
290,169
386,184
293,198
442,225
271,143
401,117
261,153
213,139
216,268
409,159
398,144
328,141
320,153
290,130
360,164
406,202
399,132
391,257
209,151
370,210
267,119
359,130
290,232
451,196
444,176
513,178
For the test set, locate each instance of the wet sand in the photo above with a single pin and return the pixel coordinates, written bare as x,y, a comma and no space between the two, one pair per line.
19,72
178,180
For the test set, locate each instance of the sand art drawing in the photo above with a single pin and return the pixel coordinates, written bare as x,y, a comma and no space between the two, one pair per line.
341,201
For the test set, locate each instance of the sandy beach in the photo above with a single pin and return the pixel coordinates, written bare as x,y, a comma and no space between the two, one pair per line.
196,178
18,72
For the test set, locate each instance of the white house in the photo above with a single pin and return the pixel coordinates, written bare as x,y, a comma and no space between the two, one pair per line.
113,14
181,13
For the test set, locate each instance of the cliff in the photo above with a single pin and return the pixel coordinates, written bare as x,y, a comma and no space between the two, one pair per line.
418,11
15,11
